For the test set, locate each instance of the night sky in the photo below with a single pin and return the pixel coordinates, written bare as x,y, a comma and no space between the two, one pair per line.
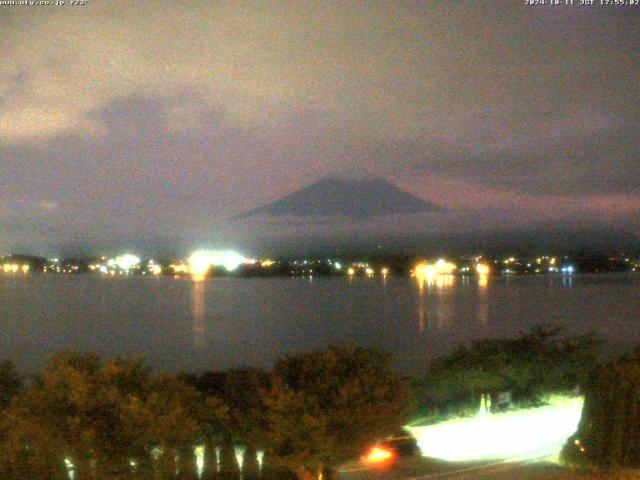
160,120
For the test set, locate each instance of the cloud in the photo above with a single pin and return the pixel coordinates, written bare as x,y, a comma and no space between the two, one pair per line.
159,117
578,154
380,67
252,59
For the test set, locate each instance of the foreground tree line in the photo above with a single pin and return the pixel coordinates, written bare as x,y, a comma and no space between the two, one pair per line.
609,431
118,419
84,417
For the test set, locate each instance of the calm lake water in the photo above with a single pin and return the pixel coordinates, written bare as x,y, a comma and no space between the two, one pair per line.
180,324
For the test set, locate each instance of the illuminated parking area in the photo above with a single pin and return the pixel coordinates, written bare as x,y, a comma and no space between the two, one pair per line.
202,260
520,434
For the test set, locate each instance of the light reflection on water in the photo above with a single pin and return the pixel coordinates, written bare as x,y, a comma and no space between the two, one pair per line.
483,301
436,300
421,311
198,311
217,323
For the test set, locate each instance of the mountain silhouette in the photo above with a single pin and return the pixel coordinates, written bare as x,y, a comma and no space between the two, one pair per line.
357,198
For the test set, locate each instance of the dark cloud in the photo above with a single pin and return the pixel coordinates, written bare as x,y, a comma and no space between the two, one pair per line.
582,163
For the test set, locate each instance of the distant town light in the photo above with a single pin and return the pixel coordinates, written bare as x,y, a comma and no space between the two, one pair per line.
424,270
483,269
179,268
444,268
201,261
14,268
155,269
126,261
427,270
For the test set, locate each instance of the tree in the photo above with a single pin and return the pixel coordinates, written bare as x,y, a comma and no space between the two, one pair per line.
243,391
117,419
10,383
326,407
533,364
109,419
609,430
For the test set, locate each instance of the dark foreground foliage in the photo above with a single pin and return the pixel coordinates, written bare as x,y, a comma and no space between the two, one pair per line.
609,431
118,419
10,383
529,366
102,419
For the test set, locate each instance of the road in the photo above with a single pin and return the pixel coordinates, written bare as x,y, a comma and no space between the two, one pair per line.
424,469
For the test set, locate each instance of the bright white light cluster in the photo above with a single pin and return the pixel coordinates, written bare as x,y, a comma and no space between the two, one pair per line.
441,267
127,261
122,262
201,261
503,436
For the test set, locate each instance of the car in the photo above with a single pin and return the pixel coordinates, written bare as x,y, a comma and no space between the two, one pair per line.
385,451
402,443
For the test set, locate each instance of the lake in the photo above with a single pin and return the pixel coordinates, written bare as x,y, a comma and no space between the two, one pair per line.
180,324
